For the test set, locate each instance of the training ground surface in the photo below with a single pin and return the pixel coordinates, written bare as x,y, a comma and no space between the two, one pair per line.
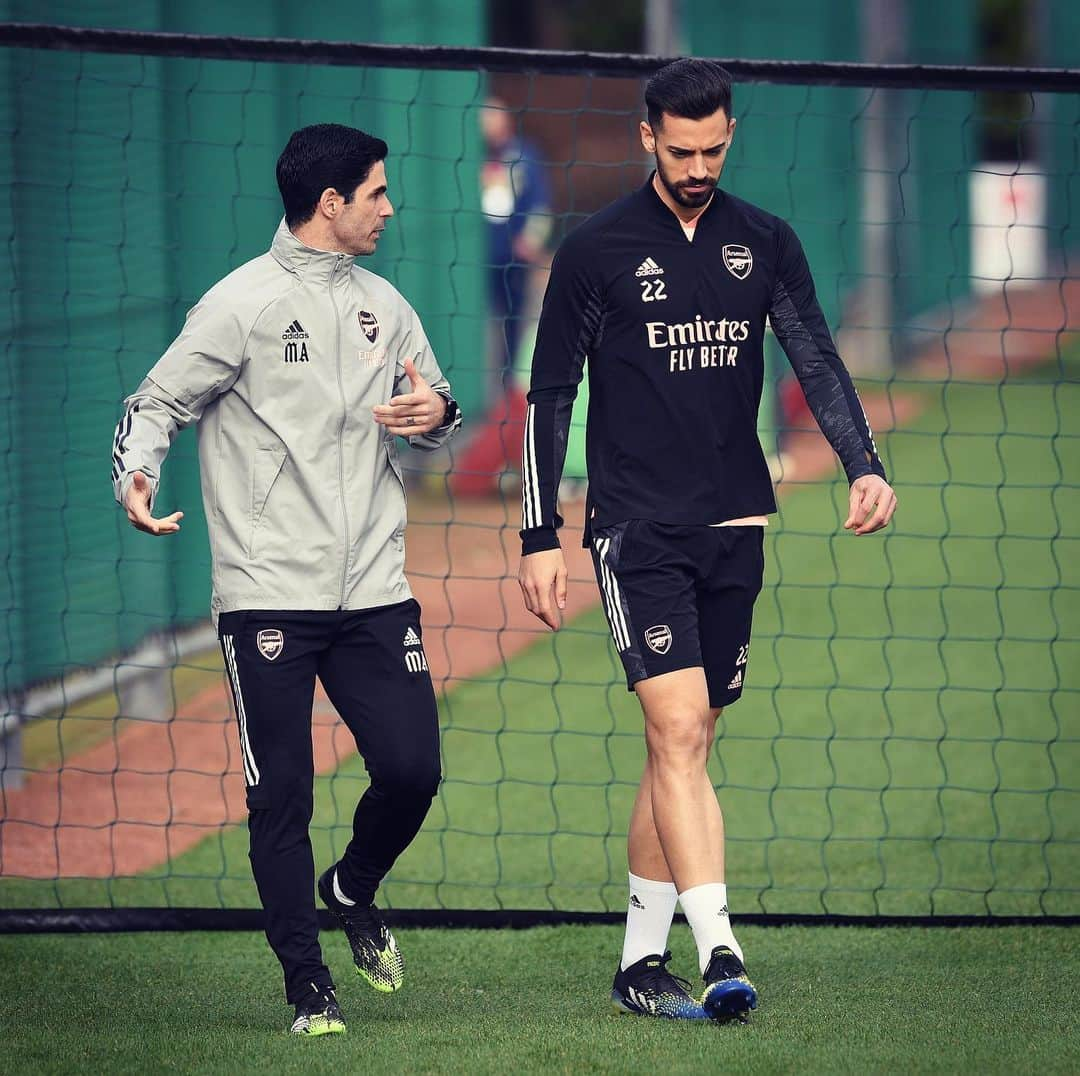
833,1000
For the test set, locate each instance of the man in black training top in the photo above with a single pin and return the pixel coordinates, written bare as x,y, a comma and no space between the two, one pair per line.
300,367
666,293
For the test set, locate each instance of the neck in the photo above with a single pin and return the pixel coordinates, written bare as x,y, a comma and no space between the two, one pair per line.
685,213
312,234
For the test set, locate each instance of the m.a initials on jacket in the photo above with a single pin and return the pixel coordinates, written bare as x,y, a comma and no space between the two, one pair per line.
280,364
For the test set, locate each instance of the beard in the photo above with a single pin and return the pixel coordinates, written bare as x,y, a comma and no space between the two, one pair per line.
695,200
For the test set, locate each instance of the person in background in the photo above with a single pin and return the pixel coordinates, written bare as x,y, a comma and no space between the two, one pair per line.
516,205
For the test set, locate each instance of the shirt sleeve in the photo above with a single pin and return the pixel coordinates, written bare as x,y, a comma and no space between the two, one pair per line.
415,346
800,327
571,322
202,362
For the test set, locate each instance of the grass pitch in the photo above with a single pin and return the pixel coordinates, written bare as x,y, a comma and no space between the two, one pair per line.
833,999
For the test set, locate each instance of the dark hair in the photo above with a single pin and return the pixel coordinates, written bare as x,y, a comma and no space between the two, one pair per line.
324,155
692,89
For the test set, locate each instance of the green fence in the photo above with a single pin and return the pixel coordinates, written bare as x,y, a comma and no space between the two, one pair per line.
131,184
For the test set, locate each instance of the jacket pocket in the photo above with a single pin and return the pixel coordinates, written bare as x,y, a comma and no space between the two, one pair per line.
266,465
395,467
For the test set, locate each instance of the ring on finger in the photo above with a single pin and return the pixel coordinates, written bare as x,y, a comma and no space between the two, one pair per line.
410,421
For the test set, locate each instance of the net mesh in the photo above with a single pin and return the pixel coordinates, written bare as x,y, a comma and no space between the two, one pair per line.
909,742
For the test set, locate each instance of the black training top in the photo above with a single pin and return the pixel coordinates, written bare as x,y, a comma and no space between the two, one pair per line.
673,332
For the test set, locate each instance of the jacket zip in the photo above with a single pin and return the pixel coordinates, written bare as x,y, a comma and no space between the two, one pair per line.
341,434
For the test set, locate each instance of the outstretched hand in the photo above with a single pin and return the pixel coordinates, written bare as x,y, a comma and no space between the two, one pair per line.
137,506
413,413
871,503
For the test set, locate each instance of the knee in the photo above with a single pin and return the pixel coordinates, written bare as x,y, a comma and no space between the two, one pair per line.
678,739
279,816
408,779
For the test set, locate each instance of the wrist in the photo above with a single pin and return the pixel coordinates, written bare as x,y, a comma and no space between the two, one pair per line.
450,411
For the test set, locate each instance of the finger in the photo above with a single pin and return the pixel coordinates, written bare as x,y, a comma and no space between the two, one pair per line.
881,516
137,523
538,602
170,523
544,608
527,595
402,429
413,374
409,399
874,518
387,415
551,619
533,601
547,617
560,588
167,525
854,502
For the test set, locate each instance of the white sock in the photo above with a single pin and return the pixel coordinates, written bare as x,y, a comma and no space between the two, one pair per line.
648,919
339,895
706,910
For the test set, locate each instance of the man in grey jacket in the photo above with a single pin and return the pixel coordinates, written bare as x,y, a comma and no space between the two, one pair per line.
300,368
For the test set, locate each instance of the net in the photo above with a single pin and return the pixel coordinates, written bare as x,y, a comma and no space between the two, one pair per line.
909,742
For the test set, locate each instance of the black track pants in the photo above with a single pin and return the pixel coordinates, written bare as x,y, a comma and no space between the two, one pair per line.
374,670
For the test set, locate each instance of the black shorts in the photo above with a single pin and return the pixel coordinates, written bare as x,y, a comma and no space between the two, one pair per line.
678,597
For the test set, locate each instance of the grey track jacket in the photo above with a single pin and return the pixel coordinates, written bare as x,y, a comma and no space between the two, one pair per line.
280,364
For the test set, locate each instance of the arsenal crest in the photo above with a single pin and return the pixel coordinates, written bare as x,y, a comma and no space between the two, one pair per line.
369,324
738,260
270,642
659,638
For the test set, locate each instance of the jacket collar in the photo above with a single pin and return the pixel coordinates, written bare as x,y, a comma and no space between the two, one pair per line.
306,262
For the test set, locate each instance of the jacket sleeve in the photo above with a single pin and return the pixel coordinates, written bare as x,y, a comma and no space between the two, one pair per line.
804,335
570,326
201,363
415,346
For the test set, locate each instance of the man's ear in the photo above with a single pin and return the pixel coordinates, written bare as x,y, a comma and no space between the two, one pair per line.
648,139
330,203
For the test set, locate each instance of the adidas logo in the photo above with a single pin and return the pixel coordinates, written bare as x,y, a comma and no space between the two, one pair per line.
736,680
635,902
411,638
649,268
295,332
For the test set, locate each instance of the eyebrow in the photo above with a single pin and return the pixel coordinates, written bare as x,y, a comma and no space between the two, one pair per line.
708,149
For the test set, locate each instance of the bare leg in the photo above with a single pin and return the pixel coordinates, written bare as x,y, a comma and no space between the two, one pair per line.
676,825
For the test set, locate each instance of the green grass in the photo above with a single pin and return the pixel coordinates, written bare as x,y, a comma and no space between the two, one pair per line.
909,742
833,1000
